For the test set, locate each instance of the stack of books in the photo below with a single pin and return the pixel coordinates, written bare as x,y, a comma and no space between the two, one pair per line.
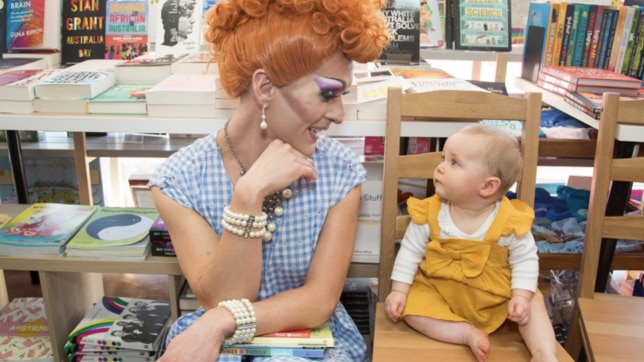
24,331
120,329
114,232
307,343
160,239
43,229
583,87
183,95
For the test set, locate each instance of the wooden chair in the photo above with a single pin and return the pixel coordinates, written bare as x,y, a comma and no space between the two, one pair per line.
610,327
397,341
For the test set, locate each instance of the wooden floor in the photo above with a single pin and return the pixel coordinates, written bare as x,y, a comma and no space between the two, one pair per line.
19,284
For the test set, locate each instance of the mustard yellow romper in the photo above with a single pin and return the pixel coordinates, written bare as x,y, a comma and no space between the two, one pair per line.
465,280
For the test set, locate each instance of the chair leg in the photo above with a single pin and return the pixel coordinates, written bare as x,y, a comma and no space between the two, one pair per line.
573,338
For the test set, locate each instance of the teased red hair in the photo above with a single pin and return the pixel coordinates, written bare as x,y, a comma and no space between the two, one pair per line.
290,38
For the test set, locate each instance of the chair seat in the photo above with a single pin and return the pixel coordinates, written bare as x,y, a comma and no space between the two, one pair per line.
613,327
399,342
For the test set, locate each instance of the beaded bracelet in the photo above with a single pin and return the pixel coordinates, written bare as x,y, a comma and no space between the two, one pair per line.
245,321
231,220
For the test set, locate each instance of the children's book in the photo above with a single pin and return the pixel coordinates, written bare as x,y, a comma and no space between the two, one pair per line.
320,337
24,333
126,323
431,31
43,228
114,227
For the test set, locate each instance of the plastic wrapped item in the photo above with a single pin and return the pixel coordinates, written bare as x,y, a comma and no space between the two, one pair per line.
563,284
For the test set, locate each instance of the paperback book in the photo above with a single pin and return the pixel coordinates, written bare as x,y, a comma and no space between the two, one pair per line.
129,324
186,89
114,232
483,25
404,18
70,84
33,25
43,228
84,31
319,337
126,34
549,82
266,351
584,76
179,27
197,63
146,69
24,332
7,81
120,99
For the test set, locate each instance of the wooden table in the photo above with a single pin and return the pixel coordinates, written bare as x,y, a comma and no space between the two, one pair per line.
398,342
613,334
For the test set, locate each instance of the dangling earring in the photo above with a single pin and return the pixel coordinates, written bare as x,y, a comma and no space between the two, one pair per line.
263,124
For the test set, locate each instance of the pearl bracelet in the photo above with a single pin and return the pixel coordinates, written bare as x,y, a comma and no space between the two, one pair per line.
231,220
245,321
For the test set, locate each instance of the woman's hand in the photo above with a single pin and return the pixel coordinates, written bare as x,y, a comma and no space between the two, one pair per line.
202,340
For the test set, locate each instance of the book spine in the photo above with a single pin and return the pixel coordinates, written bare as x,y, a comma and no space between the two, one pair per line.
592,17
274,352
449,23
607,38
632,40
559,31
552,30
594,45
551,87
558,82
580,107
570,12
623,42
580,40
637,47
619,31
572,40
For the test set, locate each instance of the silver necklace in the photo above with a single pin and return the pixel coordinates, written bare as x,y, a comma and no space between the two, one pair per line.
272,203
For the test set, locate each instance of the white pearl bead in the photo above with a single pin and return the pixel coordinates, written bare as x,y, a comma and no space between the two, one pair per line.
267,236
287,193
271,227
279,211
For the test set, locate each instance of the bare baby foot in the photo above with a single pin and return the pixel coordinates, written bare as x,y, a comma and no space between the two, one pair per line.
479,343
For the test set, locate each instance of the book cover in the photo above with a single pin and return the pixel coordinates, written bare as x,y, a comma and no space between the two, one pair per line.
537,28
24,332
404,19
591,76
632,40
128,323
266,351
178,26
320,337
621,29
148,69
570,12
120,99
14,76
638,46
23,90
187,300
431,32
627,33
83,32
7,64
74,85
607,37
114,226
126,33
492,87
551,33
34,24
184,89
158,231
43,223
483,25
593,101
427,85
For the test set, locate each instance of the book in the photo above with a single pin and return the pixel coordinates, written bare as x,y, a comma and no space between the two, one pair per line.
607,37
24,332
126,32
3,29
563,55
187,300
23,89
267,351
621,30
553,22
580,35
83,36
197,63
120,99
75,106
96,65
559,31
572,37
13,76
584,109
158,231
630,21
593,101
483,25
404,45
600,21
187,89
537,34
74,85
590,28
50,59
573,87
114,228
16,107
586,76
178,27
419,85
146,69
33,25
43,228
431,31
127,323
320,337
9,64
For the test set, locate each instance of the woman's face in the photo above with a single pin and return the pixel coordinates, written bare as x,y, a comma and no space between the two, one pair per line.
307,106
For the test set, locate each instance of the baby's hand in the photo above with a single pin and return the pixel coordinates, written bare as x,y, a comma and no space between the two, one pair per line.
394,305
519,310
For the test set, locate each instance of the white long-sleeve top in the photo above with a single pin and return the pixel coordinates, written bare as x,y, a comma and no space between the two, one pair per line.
522,250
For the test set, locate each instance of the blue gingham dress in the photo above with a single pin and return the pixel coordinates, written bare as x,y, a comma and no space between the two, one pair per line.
196,178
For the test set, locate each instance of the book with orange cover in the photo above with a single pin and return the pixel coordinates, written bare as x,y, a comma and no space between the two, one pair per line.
591,76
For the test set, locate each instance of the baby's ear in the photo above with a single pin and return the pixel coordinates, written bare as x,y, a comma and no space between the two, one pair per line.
490,187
